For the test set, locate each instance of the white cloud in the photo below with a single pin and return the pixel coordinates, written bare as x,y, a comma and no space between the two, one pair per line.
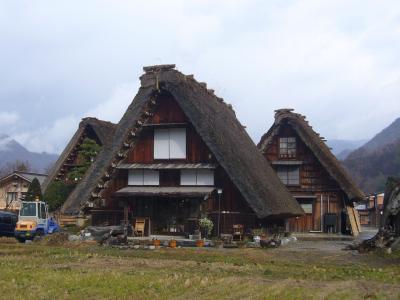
8,118
115,106
4,142
53,139
334,61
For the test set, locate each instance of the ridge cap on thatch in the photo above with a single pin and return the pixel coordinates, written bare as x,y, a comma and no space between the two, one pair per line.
103,130
317,145
217,125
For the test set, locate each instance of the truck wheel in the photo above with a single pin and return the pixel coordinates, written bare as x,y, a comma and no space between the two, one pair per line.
20,240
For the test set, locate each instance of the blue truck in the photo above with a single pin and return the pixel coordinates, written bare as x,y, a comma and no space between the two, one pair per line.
33,221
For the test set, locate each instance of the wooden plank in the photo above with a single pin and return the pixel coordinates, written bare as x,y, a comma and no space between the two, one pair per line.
357,217
352,219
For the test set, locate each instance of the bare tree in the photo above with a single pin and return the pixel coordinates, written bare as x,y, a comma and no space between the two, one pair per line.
18,165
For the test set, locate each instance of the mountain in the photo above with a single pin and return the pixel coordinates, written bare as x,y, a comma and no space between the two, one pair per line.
341,148
371,164
11,151
389,135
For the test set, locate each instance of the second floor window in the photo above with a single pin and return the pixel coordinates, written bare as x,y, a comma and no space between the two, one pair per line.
143,177
289,175
197,177
287,147
170,143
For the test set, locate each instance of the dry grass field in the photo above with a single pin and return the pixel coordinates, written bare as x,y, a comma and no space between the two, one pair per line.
303,270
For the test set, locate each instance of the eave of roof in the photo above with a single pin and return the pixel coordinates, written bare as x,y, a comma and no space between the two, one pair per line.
163,166
179,191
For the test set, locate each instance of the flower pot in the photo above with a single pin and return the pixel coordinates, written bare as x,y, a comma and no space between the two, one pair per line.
156,243
172,243
199,243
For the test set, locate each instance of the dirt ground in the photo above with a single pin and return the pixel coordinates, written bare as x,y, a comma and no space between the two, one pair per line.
304,269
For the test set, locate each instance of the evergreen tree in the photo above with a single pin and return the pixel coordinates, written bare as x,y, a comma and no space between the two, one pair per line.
34,191
86,154
57,193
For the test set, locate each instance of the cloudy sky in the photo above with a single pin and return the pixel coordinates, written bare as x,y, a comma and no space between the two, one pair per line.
337,62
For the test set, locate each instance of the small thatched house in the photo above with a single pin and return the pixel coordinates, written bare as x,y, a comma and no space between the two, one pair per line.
99,131
179,154
313,175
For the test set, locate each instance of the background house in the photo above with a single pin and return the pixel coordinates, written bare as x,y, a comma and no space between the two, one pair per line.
313,175
371,210
14,186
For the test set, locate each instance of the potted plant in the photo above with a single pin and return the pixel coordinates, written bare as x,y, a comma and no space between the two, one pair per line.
206,226
200,243
172,243
156,242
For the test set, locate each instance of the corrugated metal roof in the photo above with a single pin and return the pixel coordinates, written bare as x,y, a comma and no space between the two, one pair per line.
162,166
27,176
188,191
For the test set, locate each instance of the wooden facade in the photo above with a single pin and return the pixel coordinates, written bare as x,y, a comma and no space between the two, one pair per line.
176,146
325,203
13,188
183,212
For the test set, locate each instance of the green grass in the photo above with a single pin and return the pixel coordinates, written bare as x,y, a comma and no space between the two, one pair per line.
92,272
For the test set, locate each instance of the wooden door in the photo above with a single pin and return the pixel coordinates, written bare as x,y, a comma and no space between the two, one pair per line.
303,223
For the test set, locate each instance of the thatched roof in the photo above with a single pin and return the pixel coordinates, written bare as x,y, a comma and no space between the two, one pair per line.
103,131
214,121
317,145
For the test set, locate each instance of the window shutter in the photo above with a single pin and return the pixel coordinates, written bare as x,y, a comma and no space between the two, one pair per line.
151,177
177,143
161,144
188,177
205,177
135,177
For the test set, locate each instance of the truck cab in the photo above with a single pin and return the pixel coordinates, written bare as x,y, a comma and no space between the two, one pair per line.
33,220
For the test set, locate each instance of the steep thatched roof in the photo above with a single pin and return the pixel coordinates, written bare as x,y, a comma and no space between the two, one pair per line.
317,146
215,122
102,129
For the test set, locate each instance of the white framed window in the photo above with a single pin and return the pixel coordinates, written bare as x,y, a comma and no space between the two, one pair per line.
170,143
287,147
197,177
144,177
289,175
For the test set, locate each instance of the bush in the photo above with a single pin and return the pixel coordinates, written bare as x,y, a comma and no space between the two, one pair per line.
206,225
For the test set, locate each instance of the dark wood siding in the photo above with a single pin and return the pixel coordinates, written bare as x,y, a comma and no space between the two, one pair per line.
314,181
234,209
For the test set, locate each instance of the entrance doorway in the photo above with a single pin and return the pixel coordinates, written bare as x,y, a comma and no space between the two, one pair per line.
304,223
